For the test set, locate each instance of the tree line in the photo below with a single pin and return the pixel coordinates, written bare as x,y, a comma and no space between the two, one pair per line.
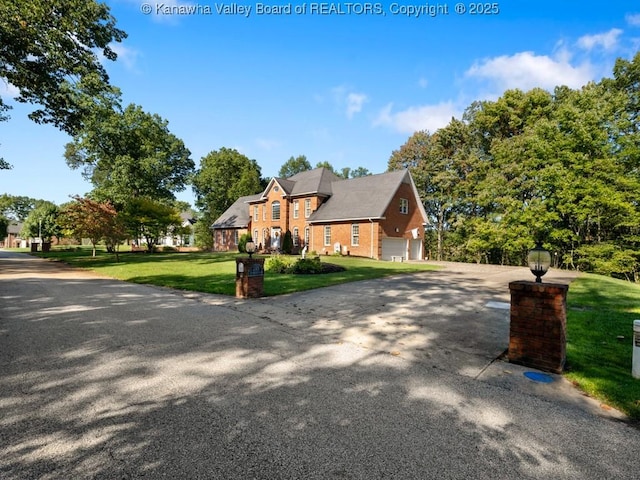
560,167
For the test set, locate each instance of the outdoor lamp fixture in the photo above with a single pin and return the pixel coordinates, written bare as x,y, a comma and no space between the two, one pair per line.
250,247
539,261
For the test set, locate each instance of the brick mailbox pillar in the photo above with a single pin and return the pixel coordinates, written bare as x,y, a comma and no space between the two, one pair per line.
249,277
538,331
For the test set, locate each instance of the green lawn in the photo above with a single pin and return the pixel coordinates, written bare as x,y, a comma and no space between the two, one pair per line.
600,310
215,272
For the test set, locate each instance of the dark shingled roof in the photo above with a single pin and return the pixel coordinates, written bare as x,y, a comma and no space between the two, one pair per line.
360,198
14,228
237,215
318,180
311,182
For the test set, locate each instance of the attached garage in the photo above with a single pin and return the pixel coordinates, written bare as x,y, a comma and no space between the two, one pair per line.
415,249
394,247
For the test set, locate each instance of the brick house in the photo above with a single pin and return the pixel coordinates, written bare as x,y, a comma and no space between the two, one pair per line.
13,239
377,216
232,224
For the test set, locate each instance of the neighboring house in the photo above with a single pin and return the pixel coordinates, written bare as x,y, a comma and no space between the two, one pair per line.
13,240
377,216
183,237
232,224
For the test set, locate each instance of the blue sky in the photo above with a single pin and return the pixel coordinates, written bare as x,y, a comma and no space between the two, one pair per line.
344,88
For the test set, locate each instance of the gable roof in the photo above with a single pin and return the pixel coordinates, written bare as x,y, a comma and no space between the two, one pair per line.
364,197
311,182
316,181
14,227
237,215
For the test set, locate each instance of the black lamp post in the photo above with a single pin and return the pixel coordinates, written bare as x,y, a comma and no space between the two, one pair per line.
539,261
250,247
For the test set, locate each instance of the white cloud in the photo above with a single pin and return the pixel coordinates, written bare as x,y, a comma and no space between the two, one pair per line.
355,101
633,19
607,40
423,117
127,56
351,102
7,90
526,70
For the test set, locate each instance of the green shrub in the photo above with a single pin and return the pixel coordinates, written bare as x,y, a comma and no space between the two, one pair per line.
287,243
306,266
243,242
301,266
277,264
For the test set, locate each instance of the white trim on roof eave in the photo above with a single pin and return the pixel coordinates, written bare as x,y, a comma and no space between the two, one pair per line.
295,195
265,193
335,220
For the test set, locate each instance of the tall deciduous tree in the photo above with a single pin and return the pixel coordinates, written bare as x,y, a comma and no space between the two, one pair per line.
130,154
223,176
48,47
359,172
561,167
149,219
326,165
294,165
16,207
439,165
42,222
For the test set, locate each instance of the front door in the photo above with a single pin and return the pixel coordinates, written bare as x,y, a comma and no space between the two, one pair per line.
276,238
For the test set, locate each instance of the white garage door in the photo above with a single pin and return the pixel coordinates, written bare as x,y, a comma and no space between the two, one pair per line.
394,247
415,249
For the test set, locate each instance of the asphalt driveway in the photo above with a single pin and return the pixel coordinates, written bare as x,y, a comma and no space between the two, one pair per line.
393,378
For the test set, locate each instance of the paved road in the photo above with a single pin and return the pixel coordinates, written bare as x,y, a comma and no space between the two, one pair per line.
394,378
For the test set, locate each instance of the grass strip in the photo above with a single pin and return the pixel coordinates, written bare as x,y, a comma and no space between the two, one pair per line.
600,315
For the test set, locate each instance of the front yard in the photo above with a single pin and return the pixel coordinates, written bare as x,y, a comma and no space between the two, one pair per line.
215,272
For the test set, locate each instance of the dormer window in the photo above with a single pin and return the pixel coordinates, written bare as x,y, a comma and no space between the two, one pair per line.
404,206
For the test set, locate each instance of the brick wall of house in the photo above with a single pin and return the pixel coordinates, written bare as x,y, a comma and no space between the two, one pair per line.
397,224
265,223
224,240
342,233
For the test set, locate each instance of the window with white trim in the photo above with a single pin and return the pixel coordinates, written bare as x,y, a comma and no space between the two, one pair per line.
296,209
327,235
404,206
296,237
235,237
307,208
264,212
306,236
355,235
275,210
255,213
